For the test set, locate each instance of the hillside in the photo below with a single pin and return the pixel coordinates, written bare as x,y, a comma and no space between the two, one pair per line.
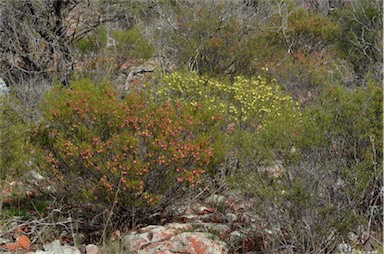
215,126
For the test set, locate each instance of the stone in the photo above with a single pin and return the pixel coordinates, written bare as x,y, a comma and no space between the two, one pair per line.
216,200
56,247
35,175
188,243
345,248
204,210
136,240
353,237
230,217
173,238
91,249
79,238
3,87
189,218
180,227
220,230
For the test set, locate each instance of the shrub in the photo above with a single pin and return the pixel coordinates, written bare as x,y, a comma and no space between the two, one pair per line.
132,43
209,38
298,208
93,42
335,188
99,145
360,41
346,126
13,137
256,106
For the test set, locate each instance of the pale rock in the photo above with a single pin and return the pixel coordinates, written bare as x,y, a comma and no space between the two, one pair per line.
220,230
180,227
79,238
216,200
188,243
230,217
92,249
168,239
136,240
353,237
189,218
345,248
56,248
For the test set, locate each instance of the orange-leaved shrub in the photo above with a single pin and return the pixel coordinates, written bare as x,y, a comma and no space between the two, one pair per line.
103,146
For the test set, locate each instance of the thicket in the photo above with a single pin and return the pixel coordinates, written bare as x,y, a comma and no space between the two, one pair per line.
106,149
334,188
290,90
256,109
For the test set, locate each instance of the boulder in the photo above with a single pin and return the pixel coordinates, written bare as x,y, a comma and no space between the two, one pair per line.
173,238
57,248
188,243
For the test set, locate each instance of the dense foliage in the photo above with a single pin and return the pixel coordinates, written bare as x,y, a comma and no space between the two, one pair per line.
278,101
98,144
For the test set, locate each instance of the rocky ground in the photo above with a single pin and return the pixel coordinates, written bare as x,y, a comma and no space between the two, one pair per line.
219,223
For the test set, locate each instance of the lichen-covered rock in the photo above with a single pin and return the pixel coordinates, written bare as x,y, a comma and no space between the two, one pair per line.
173,238
188,242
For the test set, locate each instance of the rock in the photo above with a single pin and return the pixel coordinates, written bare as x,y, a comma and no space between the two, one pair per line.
353,237
345,248
22,243
3,87
220,230
33,174
216,200
237,204
4,240
57,248
189,218
147,235
230,217
91,249
172,238
205,210
180,227
274,171
188,243
79,238
236,236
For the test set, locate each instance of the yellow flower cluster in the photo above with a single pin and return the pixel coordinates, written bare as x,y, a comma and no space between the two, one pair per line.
240,101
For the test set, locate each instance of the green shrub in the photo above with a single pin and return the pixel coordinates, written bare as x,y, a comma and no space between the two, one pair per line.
310,31
299,207
208,38
99,145
14,130
360,40
265,121
132,43
346,125
93,42
335,188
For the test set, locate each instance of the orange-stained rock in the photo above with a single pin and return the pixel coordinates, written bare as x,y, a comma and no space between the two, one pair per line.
187,243
22,242
205,210
171,239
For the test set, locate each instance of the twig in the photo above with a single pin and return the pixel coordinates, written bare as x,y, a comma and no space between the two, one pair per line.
103,236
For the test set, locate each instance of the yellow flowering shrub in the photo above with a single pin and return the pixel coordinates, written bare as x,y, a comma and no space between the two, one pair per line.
258,107
244,100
